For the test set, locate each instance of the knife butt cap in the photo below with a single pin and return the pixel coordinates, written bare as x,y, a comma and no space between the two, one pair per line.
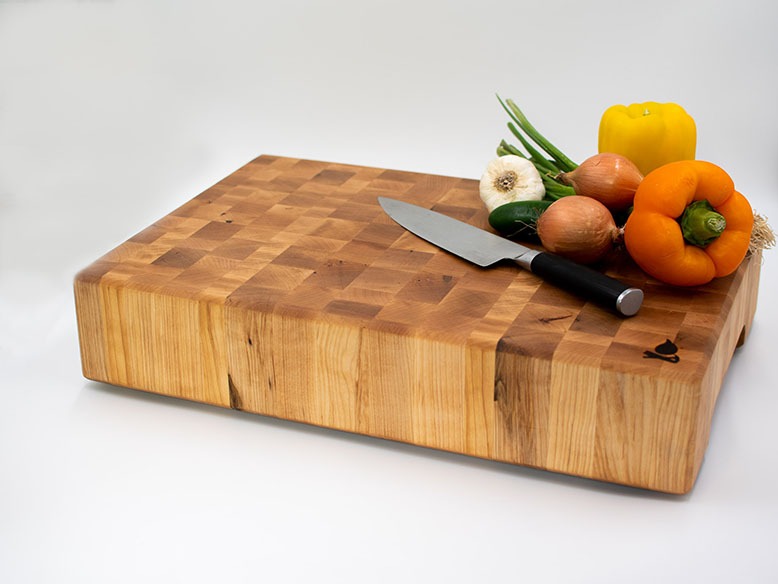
628,303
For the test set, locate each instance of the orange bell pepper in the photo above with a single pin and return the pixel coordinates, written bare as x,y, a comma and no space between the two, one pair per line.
655,240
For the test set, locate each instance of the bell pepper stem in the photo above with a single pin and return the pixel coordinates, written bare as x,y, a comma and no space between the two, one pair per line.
701,224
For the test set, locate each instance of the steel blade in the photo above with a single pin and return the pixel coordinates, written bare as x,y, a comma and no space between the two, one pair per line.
467,241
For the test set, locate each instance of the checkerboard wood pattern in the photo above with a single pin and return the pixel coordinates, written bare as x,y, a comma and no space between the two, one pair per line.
284,290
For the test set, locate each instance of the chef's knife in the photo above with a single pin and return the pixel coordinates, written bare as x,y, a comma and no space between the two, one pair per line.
484,249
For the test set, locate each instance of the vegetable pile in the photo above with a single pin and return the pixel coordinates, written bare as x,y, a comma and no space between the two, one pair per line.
680,219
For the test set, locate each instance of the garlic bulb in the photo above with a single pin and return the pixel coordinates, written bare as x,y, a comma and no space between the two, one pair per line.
510,178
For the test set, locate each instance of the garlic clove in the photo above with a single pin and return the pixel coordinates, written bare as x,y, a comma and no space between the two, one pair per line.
510,178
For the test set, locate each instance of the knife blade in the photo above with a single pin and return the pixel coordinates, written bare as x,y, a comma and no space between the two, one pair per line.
485,249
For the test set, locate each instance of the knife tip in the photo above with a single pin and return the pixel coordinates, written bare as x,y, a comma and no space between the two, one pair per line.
385,201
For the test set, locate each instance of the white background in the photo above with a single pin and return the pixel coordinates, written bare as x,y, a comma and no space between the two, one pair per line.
114,113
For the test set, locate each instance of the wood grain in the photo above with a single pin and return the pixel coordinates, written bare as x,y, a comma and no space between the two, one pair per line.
284,290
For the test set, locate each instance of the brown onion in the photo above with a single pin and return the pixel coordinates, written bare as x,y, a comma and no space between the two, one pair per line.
610,178
579,228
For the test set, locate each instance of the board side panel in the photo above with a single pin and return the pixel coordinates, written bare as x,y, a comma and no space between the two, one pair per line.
479,412
333,373
645,432
165,344
734,333
91,327
569,416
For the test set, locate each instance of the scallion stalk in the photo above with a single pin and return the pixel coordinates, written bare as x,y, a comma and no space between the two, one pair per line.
541,162
550,162
518,116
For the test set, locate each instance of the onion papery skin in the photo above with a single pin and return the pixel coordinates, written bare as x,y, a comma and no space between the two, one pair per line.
579,228
610,178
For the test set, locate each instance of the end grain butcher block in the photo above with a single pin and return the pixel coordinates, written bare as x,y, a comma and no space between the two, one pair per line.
285,290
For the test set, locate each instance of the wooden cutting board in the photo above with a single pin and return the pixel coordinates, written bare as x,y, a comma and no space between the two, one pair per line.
284,290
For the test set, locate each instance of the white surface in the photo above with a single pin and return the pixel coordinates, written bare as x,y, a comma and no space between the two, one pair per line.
114,113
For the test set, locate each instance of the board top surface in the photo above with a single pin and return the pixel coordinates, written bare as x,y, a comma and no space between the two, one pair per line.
307,239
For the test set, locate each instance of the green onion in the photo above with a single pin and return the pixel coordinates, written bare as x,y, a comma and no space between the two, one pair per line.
547,158
540,161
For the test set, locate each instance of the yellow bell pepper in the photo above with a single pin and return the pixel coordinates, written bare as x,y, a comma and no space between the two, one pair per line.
650,134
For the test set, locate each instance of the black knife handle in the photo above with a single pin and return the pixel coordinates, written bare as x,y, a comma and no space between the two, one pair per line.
587,283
